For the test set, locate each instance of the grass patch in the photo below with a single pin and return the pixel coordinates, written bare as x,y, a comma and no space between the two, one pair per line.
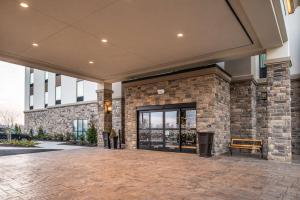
20,143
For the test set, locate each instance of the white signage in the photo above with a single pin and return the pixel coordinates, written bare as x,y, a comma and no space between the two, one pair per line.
161,91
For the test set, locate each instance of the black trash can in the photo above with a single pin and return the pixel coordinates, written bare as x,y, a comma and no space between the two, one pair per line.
106,140
205,141
115,142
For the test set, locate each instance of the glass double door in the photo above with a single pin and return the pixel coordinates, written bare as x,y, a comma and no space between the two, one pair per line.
169,130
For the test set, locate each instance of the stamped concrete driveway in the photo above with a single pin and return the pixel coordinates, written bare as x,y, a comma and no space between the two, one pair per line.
95,173
43,146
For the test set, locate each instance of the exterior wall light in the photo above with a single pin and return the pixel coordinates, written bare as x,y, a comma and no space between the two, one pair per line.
291,5
108,107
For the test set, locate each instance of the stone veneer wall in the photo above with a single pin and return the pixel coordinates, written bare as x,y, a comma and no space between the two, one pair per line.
262,113
104,100
118,115
59,119
279,111
243,109
295,107
210,92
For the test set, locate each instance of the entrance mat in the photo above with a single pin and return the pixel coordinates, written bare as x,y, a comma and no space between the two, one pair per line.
8,152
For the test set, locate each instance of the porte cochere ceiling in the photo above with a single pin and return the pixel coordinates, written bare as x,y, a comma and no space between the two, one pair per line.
112,40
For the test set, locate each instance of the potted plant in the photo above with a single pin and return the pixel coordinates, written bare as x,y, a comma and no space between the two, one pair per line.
113,135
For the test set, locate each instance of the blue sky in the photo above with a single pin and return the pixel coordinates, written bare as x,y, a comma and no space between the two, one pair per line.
12,90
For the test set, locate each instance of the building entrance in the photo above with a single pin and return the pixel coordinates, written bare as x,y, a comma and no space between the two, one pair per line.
168,127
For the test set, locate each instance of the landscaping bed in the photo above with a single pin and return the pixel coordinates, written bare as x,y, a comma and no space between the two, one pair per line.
18,143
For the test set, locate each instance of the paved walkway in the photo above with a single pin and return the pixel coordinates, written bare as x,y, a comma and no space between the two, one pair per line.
43,146
93,173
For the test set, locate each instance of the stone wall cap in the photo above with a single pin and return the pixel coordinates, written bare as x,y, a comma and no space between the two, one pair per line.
208,70
107,90
261,81
242,78
61,106
279,61
295,77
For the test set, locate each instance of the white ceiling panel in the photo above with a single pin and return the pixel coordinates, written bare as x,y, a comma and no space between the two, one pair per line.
141,34
20,27
149,28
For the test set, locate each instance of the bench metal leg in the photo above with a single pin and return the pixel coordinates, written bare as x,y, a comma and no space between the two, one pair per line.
230,149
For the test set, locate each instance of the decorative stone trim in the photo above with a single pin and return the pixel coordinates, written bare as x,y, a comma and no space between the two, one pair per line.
61,106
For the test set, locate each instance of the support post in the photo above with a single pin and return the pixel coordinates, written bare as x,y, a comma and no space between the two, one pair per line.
279,109
104,97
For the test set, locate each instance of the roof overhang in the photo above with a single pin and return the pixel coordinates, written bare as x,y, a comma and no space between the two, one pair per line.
142,35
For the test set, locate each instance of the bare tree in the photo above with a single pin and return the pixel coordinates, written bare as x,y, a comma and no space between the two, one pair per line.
8,118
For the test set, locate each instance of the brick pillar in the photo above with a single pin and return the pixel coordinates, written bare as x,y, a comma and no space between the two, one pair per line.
279,110
104,97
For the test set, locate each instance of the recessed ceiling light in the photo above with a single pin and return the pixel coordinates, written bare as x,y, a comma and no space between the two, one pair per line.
104,40
91,62
179,35
35,44
24,5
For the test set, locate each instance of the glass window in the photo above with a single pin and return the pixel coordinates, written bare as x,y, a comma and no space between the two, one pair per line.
58,80
190,119
46,75
31,78
171,119
144,120
80,127
58,93
46,86
262,67
84,125
31,100
79,89
31,90
156,119
46,97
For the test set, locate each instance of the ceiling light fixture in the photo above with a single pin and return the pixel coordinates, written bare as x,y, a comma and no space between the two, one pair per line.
104,40
35,44
24,5
290,6
179,35
91,62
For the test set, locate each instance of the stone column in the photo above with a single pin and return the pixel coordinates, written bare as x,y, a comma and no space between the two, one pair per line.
243,108
279,109
118,115
104,98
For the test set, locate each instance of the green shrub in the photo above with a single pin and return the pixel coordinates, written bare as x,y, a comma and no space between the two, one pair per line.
31,133
58,137
82,139
92,134
67,136
21,143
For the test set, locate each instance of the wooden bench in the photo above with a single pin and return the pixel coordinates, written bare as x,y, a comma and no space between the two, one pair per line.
249,144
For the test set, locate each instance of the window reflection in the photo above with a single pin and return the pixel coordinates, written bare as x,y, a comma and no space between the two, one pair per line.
171,119
188,119
156,119
144,120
